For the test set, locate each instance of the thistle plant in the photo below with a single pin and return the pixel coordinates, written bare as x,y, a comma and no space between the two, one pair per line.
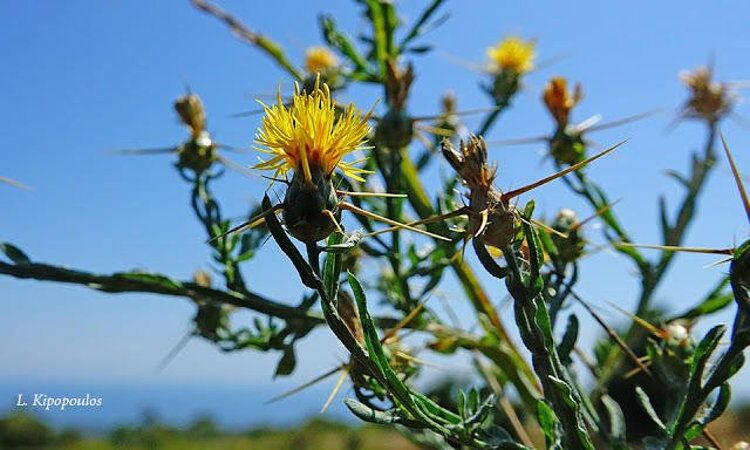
359,220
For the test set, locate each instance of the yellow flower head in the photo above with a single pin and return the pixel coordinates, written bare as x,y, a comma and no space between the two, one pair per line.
310,136
559,100
512,53
320,60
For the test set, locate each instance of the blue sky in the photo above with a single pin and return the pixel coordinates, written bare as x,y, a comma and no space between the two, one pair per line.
83,77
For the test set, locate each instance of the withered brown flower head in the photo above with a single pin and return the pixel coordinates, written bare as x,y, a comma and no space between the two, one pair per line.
397,85
471,163
190,109
490,218
709,100
560,101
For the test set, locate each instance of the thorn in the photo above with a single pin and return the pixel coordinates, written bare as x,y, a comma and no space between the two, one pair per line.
306,385
459,212
253,222
330,214
515,193
174,351
673,248
596,214
370,194
404,322
371,215
14,183
737,177
336,388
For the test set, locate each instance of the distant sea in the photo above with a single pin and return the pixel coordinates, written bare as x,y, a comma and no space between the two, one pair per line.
232,407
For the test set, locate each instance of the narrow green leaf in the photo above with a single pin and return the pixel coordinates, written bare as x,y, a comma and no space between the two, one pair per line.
616,419
287,363
719,406
649,408
14,253
547,422
568,341
370,415
332,267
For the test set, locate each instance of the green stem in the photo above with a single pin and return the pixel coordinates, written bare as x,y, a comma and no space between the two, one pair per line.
155,284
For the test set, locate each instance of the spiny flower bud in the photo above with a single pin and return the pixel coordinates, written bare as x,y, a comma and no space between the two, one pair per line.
198,154
571,246
395,129
305,204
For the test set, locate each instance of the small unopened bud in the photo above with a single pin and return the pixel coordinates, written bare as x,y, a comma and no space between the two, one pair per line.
198,154
395,130
677,333
571,246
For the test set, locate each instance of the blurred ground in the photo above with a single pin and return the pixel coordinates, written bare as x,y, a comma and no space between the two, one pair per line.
22,431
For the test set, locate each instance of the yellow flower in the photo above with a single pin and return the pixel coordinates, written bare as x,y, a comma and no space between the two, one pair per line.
559,100
512,53
319,60
310,136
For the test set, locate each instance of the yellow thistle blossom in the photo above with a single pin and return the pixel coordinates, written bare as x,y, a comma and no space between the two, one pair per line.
512,53
559,100
320,60
309,136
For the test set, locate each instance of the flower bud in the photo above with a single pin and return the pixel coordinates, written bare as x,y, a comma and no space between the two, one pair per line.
395,130
305,204
198,154
569,248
